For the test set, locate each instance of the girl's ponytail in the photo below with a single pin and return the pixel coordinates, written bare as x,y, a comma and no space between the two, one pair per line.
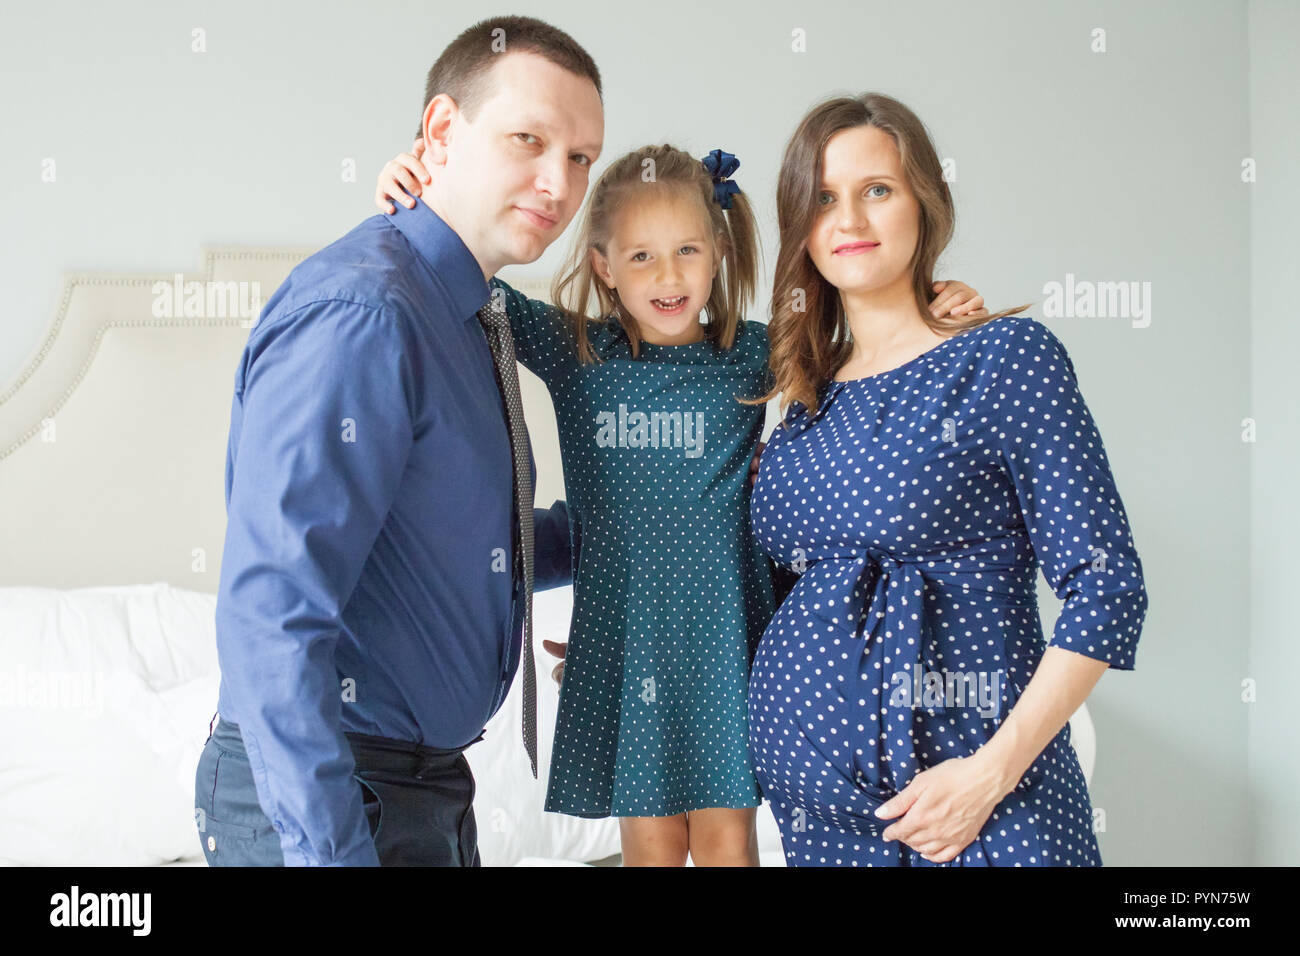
741,260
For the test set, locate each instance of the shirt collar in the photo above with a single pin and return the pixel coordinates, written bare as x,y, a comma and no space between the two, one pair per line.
446,253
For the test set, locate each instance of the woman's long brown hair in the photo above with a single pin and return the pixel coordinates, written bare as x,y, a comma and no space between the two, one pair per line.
808,329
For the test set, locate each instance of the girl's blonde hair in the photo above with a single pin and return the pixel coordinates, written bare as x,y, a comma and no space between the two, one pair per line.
660,171
808,328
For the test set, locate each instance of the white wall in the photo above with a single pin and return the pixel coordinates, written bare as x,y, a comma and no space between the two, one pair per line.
1114,166
1274,764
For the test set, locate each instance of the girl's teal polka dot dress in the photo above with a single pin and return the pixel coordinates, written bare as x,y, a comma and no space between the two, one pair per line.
671,592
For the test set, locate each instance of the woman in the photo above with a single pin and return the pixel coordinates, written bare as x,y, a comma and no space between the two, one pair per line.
903,707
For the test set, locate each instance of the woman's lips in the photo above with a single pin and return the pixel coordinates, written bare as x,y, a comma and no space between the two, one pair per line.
853,248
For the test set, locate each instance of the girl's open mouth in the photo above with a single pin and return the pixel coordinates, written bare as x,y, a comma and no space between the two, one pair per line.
669,306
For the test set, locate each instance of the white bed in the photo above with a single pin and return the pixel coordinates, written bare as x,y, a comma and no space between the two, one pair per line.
112,453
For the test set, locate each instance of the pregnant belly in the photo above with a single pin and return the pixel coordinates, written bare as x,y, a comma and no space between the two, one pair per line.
805,691
828,714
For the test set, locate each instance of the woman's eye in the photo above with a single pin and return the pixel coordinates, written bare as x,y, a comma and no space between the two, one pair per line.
636,257
688,249
529,135
870,192
583,160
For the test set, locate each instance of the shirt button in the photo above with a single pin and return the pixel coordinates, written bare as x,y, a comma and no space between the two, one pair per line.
212,844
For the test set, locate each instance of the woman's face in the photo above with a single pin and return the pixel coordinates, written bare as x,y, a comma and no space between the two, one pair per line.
868,221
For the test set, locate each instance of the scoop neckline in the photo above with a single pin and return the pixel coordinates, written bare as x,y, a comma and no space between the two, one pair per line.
679,345
899,368
616,327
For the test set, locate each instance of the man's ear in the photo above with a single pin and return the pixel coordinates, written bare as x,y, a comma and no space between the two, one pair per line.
439,114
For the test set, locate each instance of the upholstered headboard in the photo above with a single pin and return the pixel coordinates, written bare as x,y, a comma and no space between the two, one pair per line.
113,433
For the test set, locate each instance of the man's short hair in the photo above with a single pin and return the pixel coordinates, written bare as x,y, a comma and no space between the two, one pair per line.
462,70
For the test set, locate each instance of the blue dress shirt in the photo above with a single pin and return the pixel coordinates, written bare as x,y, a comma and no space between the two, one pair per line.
367,581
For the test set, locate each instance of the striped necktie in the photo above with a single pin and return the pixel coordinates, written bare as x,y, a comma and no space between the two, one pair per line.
497,327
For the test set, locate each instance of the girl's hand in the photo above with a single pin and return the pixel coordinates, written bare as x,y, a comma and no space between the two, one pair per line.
944,808
753,464
556,649
954,298
402,171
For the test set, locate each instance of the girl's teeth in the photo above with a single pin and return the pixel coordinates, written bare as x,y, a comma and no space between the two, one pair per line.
670,303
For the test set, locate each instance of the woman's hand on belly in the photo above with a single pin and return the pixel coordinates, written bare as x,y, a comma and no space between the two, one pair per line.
944,808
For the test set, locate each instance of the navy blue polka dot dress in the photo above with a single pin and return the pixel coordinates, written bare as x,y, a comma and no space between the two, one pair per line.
671,591
919,504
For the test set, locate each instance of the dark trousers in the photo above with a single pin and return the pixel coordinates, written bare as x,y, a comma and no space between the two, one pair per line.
418,802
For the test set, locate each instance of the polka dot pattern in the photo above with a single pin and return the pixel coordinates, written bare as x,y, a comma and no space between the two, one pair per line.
919,504
671,591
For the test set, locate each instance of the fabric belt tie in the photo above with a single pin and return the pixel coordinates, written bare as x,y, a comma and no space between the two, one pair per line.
894,634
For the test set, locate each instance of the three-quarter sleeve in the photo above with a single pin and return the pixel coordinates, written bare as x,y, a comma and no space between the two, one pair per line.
544,342
324,437
1068,499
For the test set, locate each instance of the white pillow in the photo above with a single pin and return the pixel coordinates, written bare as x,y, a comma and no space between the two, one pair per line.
105,698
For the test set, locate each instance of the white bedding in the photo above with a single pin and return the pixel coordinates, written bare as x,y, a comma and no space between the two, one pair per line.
105,700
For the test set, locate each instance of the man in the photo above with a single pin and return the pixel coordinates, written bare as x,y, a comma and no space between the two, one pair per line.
375,584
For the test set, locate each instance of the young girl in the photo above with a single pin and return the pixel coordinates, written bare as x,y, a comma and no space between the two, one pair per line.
671,592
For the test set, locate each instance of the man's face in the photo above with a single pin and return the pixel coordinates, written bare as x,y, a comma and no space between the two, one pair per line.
510,181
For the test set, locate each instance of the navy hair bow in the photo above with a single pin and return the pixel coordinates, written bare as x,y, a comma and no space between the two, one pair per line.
720,165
